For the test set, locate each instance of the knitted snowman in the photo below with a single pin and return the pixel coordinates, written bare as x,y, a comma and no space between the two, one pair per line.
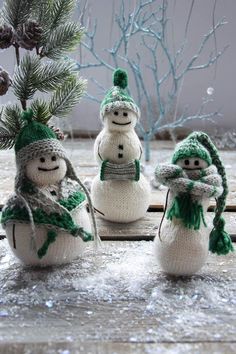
195,175
120,193
46,220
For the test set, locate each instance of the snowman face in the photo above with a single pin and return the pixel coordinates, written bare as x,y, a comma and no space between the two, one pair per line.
46,170
192,163
120,120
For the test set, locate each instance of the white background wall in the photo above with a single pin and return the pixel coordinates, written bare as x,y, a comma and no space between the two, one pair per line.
86,115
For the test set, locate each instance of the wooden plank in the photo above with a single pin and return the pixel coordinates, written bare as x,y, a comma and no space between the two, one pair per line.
86,347
146,228
119,300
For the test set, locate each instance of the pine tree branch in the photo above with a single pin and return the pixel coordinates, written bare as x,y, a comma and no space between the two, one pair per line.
52,75
40,110
23,79
12,118
7,139
10,125
60,12
62,39
67,96
16,12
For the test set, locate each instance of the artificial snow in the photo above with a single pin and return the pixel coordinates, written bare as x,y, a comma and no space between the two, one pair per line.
118,292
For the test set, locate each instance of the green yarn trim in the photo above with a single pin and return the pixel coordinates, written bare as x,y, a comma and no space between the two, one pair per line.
220,241
191,148
63,221
27,116
137,167
190,186
188,211
102,170
73,200
32,132
120,97
28,187
120,78
51,237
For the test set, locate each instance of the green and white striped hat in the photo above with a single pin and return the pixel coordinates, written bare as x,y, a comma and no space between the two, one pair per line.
117,97
191,147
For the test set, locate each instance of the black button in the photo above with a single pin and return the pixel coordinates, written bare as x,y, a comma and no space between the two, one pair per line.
121,147
120,156
53,193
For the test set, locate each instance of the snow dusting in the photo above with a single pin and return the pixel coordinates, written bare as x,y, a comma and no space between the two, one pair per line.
118,292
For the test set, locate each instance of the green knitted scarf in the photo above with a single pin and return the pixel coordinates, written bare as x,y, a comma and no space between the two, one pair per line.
188,211
56,221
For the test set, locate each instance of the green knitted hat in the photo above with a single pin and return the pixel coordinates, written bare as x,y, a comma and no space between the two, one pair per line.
33,131
117,97
220,241
191,147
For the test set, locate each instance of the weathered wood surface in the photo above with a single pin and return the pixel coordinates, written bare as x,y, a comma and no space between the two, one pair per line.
81,154
118,348
146,228
117,301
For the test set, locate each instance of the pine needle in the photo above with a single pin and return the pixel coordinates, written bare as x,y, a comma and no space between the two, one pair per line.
24,85
52,75
67,96
41,111
16,12
60,12
61,40
11,124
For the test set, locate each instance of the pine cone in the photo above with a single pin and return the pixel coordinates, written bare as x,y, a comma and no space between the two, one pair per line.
5,82
60,135
28,35
6,36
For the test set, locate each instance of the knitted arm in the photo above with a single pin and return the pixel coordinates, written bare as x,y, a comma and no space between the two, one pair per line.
165,172
213,180
198,189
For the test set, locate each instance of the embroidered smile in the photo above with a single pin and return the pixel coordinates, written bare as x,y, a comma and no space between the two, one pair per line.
48,169
121,123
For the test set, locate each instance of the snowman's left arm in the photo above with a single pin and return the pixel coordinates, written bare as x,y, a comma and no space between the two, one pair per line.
141,152
98,151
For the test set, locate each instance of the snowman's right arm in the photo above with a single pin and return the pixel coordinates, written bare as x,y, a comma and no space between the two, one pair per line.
164,173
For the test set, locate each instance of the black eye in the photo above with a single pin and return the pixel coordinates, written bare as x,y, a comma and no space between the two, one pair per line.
42,159
54,158
125,114
116,113
186,162
196,162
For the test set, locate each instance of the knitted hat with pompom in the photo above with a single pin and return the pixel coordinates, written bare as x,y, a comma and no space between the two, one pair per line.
118,97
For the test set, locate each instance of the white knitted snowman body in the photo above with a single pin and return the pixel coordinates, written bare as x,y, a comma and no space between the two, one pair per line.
46,220
123,195
47,173
120,200
180,249
65,249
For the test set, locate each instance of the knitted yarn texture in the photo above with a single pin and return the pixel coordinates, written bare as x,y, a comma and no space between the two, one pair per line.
120,192
30,203
117,97
198,145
